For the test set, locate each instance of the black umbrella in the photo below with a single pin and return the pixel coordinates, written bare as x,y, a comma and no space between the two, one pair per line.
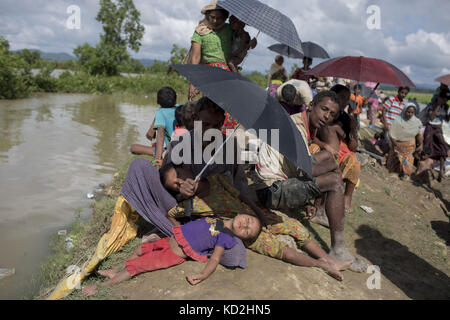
265,19
252,106
286,51
313,50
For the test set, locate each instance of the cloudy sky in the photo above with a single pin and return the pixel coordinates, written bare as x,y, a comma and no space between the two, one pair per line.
414,35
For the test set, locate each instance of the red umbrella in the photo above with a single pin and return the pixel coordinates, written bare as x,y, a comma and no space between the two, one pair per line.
444,79
362,69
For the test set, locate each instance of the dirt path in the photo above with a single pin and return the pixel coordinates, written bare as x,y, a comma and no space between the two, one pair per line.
407,237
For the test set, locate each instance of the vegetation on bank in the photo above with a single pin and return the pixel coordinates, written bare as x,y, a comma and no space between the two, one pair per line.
85,236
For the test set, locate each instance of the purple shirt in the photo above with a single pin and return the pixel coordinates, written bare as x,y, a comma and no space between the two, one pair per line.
292,108
202,236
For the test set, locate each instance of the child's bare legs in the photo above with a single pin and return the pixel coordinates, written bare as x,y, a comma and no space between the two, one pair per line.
349,188
113,276
324,261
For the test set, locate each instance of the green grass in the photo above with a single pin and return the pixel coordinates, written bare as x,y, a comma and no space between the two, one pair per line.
421,97
85,237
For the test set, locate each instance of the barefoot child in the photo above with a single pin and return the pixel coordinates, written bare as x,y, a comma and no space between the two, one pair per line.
216,196
194,240
241,43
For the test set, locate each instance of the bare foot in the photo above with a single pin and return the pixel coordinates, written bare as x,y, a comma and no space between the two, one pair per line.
330,269
110,273
321,218
343,255
89,290
150,238
340,265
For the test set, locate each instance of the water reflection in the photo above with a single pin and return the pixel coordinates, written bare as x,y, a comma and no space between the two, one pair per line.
11,121
115,136
54,149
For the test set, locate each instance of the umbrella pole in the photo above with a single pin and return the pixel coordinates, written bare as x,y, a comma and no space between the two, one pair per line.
373,90
197,178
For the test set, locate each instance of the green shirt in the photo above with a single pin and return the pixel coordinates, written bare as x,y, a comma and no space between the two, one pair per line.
216,46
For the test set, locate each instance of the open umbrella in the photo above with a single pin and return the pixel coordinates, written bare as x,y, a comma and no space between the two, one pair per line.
444,79
285,50
252,106
362,69
310,49
265,19
313,50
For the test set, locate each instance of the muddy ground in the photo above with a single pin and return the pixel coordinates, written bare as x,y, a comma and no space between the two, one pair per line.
407,237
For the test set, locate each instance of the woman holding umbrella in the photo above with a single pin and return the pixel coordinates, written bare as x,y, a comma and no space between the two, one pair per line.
211,44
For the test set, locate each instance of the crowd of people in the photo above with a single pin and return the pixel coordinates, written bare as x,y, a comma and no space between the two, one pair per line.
218,217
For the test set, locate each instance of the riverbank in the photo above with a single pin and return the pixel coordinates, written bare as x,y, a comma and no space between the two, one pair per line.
407,236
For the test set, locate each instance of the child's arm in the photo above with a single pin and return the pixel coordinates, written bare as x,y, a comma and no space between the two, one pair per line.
151,132
159,143
210,267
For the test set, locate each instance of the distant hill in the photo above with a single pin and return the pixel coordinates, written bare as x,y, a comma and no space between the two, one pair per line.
147,62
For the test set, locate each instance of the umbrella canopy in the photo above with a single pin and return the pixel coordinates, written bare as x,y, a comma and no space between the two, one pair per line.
285,50
444,79
266,19
313,50
362,69
252,106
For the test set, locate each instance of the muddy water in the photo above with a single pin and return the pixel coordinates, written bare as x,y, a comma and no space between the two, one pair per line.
54,149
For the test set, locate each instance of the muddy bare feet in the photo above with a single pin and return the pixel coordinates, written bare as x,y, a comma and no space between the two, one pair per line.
321,218
110,273
150,238
330,269
89,290
343,255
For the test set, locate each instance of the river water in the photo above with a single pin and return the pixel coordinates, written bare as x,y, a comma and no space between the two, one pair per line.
54,149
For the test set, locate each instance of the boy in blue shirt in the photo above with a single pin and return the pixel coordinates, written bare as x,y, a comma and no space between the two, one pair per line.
163,125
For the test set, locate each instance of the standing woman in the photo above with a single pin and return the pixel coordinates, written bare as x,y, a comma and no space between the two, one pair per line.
277,75
406,139
211,45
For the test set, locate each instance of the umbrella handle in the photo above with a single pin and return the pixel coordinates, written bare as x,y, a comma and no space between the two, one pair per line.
197,178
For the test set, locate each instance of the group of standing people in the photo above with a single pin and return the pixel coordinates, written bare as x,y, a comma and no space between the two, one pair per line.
413,137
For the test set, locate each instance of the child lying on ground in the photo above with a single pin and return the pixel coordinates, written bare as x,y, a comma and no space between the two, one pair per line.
193,240
216,196
241,43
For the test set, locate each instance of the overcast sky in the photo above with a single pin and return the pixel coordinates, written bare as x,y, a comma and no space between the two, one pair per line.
414,35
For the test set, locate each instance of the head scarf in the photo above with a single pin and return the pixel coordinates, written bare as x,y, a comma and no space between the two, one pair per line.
405,130
275,67
204,27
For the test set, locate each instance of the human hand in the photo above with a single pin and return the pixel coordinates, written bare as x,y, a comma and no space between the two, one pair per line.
195,279
156,163
192,92
310,211
188,188
419,149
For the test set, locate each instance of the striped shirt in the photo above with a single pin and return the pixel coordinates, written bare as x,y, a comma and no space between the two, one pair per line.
394,109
